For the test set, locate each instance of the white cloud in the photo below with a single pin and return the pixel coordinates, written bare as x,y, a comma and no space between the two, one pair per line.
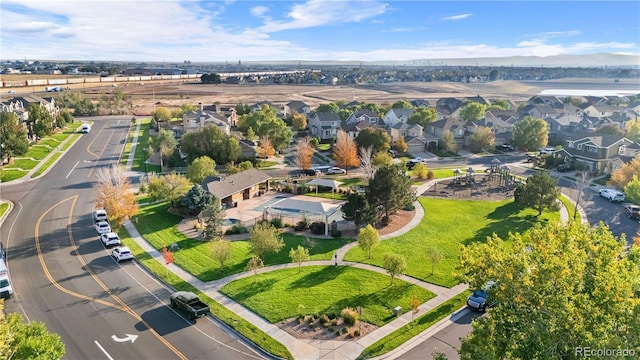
456,17
259,11
315,13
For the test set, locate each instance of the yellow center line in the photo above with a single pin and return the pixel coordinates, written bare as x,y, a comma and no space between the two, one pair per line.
121,305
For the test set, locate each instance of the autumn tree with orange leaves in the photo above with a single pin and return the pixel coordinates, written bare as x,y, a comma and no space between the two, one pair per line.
266,148
345,151
621,177
113,194
304,154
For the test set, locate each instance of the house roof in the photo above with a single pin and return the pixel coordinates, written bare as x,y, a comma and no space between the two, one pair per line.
305,206
222,187
356,126
297,105
327,116
406,112
599,140
325,182
448,124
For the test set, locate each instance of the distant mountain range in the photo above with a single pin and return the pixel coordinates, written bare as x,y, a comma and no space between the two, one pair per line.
587,60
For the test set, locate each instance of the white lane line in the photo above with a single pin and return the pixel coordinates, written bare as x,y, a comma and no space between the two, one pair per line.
103,350
73,168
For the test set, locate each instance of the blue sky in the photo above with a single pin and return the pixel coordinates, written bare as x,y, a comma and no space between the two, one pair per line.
232,30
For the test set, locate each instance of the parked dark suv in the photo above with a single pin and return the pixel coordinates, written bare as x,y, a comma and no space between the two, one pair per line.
632,211
564,167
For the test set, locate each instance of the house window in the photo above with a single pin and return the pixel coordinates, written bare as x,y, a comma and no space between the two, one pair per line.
591,148
570,144
579,147
621,150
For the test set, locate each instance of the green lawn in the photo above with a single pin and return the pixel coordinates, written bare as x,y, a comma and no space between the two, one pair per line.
324,147
352,181
445,173
415,327
327,195
24,164
159,228
3,208
72,139
8,175
570,208
276,295
52,143
141,149
263,164
447,224
247,329
37,152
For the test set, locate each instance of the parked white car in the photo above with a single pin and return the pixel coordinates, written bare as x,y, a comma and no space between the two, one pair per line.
103,227
336,170
121,253
99,215
612,195
110,239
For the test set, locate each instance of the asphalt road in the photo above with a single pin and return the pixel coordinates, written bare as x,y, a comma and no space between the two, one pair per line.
64,277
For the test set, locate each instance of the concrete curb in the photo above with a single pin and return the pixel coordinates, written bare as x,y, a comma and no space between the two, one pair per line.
6,213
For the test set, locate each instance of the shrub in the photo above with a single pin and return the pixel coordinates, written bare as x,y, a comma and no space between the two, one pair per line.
277,223
287,189
336,233
356,332
324,320
302,225
237,229
409,207
430,175
344,330
317,228
349,316
331,328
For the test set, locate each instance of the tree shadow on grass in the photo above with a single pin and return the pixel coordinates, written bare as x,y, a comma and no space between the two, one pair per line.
509,219
251,289
316,278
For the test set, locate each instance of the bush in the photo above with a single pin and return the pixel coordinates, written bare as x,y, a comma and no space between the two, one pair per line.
331,328
324,320
302,225
237,229
430,175
336,233
317,228
277,223
409,207
350,316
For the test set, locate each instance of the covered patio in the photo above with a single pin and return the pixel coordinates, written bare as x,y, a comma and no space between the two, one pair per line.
300,206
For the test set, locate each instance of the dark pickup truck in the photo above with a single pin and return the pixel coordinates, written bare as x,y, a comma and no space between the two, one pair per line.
190,303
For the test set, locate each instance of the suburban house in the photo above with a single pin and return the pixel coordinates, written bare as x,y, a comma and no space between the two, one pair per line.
599,153
437,129
228,111
195,120
296,106
365,115
233,189
248,149
395,116
258,106
538,111
353,129
413,135
20,105
501,129
448,107
324,125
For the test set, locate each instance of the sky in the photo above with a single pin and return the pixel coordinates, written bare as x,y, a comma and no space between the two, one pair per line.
315,30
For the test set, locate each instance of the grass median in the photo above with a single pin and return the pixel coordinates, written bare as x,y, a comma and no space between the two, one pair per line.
47,164
4,206
243,327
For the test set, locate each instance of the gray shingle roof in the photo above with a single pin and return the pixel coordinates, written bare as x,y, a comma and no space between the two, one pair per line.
222,187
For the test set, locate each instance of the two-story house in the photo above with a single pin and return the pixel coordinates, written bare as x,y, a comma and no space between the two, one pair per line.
365,115
413,136
501,129
296,106
395,116
599,153
437,129
324,125
195,120
448,107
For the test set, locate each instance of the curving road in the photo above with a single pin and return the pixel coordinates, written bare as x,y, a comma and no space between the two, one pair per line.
64,277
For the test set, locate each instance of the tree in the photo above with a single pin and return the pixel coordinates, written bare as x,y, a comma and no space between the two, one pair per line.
449,142
32,340
164,143
415,305
176,114
366,162
40,123
621,177
211,141
500,104
357,209
423,116
434,255
482,138
345,152
539,192
395,264
196,200
213,217
328,108
113,194
390,189
220,250
547,289
374,137
401,145
304,154
610,129
493,75
242,109
255,264
530,133
472,111
299,121
251,135
632,130
401,104
160,114
212,78
299,255
382,159
266,148
420,170
200,168
266,124
580,186
170,187
13,136
243,166
632,190
265,238
368,238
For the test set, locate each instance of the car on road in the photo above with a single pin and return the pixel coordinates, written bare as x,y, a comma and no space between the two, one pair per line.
103,227
547,150
480,300
100,215
336,170
632,211
110,239
86,128
564,167
190,303
121,253
612,195
413,162
311,172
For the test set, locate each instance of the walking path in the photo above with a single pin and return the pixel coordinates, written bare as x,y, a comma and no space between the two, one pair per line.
315,349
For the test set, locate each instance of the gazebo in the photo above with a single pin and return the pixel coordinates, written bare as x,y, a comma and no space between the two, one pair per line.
333,184
307,206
